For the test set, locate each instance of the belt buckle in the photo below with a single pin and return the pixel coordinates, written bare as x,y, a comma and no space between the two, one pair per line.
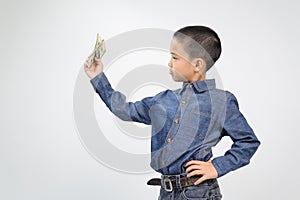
167,181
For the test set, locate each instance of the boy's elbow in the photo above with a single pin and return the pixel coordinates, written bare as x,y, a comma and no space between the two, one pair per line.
253,148
123,116
257,143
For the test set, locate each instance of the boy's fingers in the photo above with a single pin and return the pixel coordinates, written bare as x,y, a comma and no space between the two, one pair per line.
97,60
195,172
86,64
193,162
86,68
200,180
192,167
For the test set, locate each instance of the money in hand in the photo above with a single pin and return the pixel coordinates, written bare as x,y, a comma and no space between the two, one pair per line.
98,52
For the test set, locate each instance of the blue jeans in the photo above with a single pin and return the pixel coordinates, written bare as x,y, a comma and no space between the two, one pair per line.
208,190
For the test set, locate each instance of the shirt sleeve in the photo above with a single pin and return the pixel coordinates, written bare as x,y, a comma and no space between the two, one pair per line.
245,143
116,101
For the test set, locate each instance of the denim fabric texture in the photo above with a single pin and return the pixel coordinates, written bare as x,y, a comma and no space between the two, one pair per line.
186,124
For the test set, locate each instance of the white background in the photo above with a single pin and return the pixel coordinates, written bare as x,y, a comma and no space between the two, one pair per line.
43,45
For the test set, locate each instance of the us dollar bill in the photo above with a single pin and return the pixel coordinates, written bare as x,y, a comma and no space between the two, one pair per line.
98,51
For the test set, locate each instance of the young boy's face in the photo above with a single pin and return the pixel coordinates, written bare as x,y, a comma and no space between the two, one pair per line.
181,69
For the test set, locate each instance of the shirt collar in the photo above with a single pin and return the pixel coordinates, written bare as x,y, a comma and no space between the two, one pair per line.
200,86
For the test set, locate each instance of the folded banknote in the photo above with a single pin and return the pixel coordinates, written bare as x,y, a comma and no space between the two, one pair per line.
98,52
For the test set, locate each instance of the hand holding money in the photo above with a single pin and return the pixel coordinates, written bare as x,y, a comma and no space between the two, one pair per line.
93,65
95,69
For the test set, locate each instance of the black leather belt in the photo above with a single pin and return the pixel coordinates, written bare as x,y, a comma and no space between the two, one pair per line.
170,183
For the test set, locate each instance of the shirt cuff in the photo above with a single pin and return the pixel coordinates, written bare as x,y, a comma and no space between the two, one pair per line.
99,81
222,165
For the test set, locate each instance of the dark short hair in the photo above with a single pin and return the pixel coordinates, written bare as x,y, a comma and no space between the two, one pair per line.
203,42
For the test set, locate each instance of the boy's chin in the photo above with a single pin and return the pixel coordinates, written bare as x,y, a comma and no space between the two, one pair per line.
176,79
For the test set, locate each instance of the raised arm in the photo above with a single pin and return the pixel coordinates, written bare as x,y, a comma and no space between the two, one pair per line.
116,101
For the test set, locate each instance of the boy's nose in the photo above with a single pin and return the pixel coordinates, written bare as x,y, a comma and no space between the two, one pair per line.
170,64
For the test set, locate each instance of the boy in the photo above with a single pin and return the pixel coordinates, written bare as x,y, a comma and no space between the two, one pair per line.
187,122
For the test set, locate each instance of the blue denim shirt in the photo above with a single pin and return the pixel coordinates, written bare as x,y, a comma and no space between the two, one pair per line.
186,124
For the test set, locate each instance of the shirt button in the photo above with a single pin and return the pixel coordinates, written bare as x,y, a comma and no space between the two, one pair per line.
169,140
176,121
191,85
163,162
183,102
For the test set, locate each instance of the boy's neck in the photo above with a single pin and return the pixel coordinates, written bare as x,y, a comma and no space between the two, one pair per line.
198,78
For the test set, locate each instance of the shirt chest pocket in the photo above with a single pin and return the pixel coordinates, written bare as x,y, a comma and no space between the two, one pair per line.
196,123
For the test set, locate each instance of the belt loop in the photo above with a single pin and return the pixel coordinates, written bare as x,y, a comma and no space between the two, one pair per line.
162,180
178,183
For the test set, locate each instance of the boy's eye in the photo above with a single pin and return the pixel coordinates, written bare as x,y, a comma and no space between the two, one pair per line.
174,57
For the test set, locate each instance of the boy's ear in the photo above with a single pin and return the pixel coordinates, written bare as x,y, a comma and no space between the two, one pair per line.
200,65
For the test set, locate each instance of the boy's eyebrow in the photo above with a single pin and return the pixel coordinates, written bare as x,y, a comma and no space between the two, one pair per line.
174,54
